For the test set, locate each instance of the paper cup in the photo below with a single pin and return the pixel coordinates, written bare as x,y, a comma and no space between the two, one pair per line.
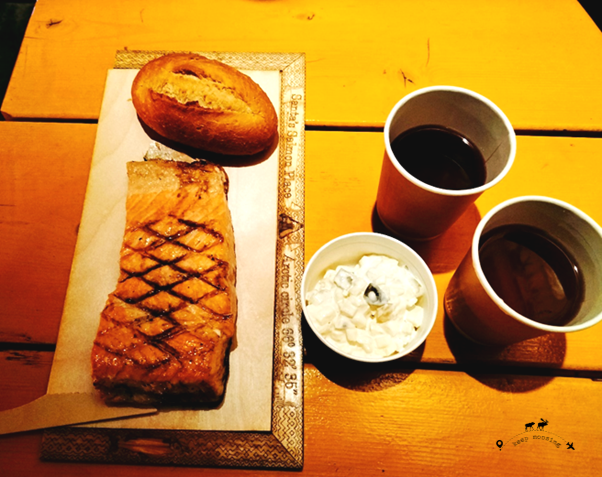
413,209
479,313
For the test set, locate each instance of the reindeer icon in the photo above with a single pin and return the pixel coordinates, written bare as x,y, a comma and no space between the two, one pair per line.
529,426
542,424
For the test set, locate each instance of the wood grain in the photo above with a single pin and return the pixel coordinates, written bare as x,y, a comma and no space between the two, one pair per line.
534,59
39,221
23,376
43,175
384,421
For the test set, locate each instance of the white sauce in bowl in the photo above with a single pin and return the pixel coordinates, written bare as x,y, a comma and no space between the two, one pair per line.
371,309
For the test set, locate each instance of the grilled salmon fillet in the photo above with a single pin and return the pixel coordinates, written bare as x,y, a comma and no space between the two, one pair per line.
165,331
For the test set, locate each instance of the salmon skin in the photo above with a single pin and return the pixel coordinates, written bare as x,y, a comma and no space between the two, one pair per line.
165,331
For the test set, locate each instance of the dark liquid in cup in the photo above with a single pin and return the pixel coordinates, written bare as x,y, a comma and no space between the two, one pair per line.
532,273
440,157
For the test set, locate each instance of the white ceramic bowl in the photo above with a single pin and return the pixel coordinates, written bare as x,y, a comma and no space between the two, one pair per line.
347,250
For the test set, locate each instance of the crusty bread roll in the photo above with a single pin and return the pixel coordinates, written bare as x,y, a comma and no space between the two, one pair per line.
205,104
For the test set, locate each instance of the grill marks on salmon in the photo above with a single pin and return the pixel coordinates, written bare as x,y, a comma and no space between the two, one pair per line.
165,332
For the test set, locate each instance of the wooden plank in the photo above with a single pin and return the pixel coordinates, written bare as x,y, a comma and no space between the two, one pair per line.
43,175
527,57
375,420
39,219
23,376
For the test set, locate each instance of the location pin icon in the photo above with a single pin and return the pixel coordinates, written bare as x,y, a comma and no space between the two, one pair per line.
499,444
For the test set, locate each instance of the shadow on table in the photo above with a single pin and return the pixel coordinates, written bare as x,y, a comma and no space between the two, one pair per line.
520,367
221,159
444,253
355,375
517,368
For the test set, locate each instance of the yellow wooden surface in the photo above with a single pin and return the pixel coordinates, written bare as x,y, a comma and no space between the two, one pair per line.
382,421
45,168
43,174
537,60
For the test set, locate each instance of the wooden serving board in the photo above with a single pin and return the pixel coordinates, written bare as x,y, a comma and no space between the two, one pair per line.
264,389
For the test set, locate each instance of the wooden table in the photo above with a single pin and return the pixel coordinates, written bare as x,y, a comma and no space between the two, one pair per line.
439,411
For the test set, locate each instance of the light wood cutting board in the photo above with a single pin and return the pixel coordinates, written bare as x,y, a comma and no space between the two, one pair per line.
253,203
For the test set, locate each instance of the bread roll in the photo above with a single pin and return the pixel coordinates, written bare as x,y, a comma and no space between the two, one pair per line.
205,104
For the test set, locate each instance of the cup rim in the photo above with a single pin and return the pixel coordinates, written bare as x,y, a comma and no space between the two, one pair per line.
432,285
488,288
438,190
